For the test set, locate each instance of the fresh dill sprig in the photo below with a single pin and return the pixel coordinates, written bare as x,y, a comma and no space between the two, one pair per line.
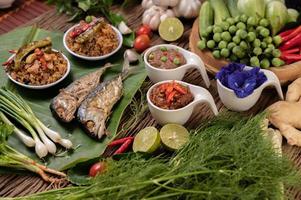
226,158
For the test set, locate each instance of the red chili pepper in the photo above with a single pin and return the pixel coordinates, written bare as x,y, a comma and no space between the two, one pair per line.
43,63
163,87
290,58
295,50
8,62
124,147
180,89
169,89
170,97
296,41
12,51
296,32
120,141
85,27
286,33
38,52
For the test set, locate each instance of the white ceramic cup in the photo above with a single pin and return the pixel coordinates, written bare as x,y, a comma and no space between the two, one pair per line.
180,116
39,87
6,3
193,61
232,102
93,58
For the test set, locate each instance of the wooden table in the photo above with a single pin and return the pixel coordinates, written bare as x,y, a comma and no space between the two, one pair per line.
20,185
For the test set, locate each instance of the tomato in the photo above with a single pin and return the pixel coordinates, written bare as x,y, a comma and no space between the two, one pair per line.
141,43
144,29
97,168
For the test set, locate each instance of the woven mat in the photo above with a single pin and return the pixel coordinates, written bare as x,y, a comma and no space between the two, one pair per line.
20,13
16,185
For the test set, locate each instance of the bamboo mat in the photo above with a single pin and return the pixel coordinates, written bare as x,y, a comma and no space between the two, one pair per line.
20,13
17,185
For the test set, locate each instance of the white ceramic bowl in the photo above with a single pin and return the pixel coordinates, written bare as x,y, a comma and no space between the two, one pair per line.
180,116
6,3
91,58
232,102
39,87
193,61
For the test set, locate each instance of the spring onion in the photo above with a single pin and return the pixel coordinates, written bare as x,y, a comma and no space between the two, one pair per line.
27,140
15,107
9,157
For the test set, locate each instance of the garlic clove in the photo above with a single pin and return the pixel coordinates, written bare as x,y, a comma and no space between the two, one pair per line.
131,55
124,29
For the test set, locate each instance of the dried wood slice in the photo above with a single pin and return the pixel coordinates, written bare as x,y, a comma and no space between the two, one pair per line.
286,74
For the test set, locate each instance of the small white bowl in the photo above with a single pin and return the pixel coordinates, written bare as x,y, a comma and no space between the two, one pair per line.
6,3
192,61
182,115
39,87
232,102
93,58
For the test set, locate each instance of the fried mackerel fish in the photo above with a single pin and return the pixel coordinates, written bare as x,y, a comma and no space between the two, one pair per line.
96,108
65,104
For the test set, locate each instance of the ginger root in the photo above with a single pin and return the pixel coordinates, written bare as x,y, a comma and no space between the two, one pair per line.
286,115
294,91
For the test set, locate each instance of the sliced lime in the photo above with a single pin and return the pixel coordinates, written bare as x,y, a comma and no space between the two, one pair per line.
171,29
147,140
174,136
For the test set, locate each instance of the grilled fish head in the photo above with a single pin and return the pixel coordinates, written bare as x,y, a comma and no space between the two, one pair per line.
64,106
93,120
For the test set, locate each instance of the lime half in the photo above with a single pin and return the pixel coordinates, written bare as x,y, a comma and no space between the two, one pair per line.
174,136
171,29
147,140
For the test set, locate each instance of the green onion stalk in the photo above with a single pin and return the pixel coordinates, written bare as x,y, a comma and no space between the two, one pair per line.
16,108
11,158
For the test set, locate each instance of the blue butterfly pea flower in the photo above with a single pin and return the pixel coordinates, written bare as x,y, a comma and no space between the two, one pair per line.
242,82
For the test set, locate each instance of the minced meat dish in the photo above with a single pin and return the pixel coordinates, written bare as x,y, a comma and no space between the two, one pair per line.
37,66
171,96
92,39
166,58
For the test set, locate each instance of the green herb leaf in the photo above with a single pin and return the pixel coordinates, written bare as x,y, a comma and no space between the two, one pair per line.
128,40
84,5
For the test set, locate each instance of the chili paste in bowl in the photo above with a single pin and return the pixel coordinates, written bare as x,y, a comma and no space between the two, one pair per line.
165,58
171,96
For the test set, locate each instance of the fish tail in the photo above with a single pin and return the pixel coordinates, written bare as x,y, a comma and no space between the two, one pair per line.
128,70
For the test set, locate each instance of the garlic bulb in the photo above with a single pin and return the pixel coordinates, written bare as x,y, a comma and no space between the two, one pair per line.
187,8
154,15
166,14
166,3
146,4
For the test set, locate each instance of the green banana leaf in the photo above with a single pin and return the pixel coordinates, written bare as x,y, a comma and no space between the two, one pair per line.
86,148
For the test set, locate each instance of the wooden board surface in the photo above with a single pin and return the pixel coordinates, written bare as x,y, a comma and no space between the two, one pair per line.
12,185
286,74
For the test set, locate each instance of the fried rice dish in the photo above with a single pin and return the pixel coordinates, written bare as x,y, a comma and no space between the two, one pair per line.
37,64
96,38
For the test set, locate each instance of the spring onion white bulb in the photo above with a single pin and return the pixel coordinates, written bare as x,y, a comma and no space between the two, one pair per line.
53,135
27,140
48,143
41,149
66,143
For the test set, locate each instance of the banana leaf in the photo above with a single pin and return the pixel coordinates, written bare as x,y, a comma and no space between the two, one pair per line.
86,148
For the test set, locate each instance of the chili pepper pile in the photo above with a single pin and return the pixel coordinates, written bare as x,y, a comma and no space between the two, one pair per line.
291,45
79,30
124,142
171,90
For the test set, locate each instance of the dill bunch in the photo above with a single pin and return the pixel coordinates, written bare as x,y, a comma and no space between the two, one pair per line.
227,158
